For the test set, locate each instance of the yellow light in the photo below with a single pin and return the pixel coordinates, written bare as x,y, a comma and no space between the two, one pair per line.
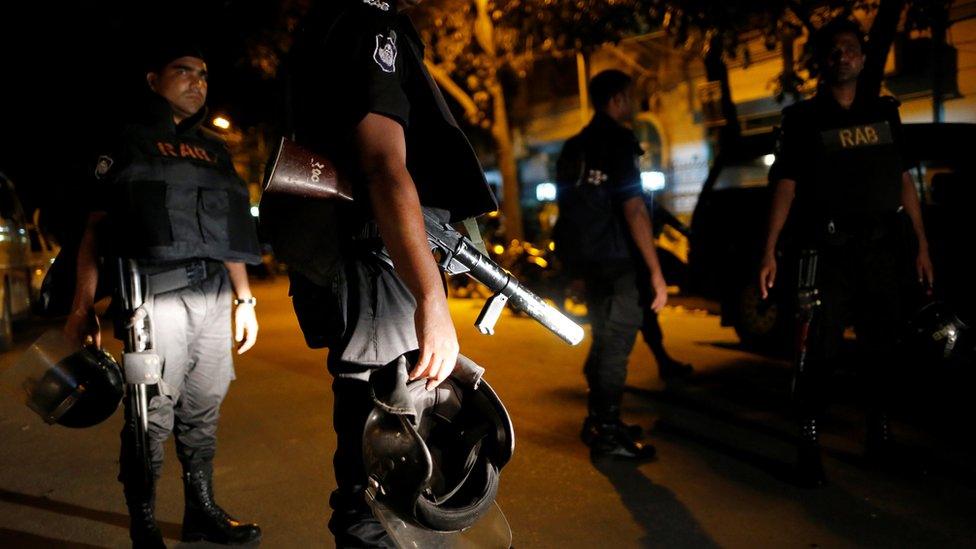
221,122
552,246
38,272
540,262
498,249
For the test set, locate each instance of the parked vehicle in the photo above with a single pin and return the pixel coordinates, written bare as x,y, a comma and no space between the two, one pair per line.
25,256
728,229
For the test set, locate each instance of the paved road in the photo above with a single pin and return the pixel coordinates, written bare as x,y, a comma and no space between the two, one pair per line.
724,443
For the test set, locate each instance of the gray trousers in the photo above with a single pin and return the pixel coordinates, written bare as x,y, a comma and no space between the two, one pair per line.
191,330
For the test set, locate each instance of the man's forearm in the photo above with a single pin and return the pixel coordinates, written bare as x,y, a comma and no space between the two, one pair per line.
909,199
396,206
639,225
86,276
238,279
783,193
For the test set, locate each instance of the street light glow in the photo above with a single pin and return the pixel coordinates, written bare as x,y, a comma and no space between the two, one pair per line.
652,181
769,159
221,122
255,211
545,192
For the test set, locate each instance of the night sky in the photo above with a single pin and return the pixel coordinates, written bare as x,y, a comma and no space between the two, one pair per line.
71,72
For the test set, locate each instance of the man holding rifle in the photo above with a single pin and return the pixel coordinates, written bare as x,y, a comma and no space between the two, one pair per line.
174,215
363,98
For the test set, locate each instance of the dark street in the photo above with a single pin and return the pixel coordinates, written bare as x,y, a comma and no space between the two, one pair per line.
722,476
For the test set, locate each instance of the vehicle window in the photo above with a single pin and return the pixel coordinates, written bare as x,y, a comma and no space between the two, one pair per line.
940,182
739,175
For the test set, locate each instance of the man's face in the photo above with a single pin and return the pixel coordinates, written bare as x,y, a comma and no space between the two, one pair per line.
622,106
845,60
183,82
407,4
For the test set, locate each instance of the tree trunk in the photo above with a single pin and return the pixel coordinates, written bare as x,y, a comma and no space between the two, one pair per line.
512,199
880,38
717,71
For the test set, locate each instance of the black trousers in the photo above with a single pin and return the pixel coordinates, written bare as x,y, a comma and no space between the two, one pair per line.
614,310
352,522
859,279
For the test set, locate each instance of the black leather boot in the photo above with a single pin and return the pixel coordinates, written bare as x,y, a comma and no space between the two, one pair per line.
881,451
671,369
877,443
612,439
143,530
589,432
809,468
203,519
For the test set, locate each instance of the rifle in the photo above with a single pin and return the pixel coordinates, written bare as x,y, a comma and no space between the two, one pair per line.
303,173
808,301
142,366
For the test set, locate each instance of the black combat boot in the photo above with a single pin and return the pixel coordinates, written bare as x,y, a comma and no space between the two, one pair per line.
670,369
877,443
590,431
809,468
881,451
203,519
143,530
612,439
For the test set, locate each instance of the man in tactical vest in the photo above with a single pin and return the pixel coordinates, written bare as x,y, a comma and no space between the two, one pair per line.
841,176
363,98
600,194
167,196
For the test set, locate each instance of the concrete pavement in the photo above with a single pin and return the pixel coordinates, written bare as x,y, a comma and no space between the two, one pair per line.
721,479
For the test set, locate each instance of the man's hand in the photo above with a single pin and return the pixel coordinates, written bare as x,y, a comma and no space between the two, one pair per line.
245,327
767,274
923,265
660,291
438,341
83,328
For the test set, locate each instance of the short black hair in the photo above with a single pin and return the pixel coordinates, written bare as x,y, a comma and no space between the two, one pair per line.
606,84
823,40
164,52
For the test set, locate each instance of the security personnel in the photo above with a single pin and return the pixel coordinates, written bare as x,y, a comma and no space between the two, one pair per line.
600,195
841,175
168,197
362,97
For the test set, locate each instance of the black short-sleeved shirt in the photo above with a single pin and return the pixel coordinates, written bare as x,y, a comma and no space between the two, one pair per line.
847,163
359,57
596,173
605,153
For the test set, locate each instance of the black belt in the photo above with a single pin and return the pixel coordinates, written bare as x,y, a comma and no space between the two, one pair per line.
167,278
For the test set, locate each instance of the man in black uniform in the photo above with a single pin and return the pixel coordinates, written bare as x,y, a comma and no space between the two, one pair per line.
362,97
841,168
168,197
600,198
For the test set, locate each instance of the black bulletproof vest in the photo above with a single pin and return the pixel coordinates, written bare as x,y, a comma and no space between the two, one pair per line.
855,166
174,195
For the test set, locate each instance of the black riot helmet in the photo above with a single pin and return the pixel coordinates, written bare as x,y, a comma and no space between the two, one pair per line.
68,385
433,457
936,334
